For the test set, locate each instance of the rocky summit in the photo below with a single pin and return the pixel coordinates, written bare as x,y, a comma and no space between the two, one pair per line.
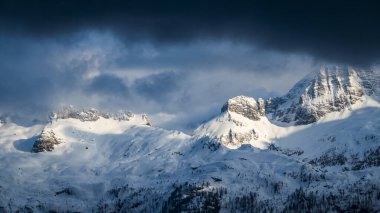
246,106
93,114
46,141
332,89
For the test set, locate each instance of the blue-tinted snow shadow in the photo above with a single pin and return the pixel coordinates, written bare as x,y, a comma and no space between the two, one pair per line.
25,145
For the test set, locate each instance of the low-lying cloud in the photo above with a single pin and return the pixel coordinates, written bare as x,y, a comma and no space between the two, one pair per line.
179,86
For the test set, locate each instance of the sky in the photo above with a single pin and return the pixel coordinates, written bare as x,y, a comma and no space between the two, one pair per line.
177,61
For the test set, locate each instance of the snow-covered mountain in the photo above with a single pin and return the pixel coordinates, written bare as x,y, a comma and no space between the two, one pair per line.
316,149
332,89
317,97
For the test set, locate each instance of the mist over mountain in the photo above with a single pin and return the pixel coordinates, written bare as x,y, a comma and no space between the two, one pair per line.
165,57
189,106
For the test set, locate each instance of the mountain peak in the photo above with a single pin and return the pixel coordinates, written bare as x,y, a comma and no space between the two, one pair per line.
92,114
245,106
331,89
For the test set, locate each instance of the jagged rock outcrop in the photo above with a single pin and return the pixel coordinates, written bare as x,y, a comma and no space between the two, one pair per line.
236,139
90,114
370,81
146,119
93,114
83,115
332,89
46,141
246,106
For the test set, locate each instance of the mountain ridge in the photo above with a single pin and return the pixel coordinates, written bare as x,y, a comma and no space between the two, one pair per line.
331,89
242,160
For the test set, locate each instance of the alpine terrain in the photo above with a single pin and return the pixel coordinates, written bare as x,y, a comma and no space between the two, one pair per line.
315,149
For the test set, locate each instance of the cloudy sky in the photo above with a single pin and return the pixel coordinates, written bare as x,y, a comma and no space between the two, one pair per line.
177,61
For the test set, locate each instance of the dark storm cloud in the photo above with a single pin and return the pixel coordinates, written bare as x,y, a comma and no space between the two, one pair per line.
28,82
38,75
343,31
157,87
108,85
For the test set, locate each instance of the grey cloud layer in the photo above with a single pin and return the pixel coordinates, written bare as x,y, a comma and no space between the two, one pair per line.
178,85
178,61
343,31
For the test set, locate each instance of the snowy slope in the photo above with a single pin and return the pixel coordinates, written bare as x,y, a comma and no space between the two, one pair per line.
331,93
331,89
244,159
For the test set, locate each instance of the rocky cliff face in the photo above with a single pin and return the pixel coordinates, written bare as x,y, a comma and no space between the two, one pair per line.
93,114
235,139
46,141
332,89
370,81
246,106
235,131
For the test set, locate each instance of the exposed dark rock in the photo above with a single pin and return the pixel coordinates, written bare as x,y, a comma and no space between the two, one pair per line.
67,191
83,115
92,114
209,143
46,142
288,152
183,198
332,89
246,106
216,179
371,158
236,139
145,118
330,158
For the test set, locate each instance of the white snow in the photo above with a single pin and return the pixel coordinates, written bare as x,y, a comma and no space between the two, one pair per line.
97,156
